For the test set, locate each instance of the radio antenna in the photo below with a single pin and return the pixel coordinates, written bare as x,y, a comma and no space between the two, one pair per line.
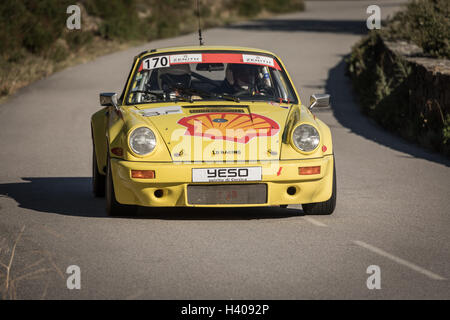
199,24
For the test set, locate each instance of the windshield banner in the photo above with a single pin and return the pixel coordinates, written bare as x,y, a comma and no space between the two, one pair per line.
168,60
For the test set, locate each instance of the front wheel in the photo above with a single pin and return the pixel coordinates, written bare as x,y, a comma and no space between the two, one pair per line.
114,208
98,179
326,207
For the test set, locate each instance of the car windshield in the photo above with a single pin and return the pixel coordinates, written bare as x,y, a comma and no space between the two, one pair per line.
210,76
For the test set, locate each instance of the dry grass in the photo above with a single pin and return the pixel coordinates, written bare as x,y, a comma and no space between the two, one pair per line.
29,68
10,281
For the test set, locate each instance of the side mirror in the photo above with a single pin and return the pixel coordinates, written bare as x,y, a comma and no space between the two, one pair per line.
108,99
319,100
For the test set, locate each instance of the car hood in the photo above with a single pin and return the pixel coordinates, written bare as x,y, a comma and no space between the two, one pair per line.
218,132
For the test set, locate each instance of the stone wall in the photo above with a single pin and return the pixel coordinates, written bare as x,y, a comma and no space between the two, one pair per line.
429,82
404,90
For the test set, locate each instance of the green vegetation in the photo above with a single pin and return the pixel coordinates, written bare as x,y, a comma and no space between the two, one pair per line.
381,85
34,40
251,8
384,81
426,23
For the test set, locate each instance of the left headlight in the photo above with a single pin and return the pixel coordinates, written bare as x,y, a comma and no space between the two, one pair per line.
142,141
305,137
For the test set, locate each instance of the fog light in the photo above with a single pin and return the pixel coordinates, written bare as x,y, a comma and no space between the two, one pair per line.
291,191
309,170
143,174
159,193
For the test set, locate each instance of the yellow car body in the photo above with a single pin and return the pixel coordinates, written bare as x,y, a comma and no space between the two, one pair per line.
272,156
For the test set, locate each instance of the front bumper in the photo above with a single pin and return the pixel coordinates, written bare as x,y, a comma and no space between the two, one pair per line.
172,180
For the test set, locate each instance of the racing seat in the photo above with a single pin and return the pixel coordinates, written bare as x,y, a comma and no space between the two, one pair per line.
174,76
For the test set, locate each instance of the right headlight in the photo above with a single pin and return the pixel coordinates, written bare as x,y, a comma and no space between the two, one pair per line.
142,141
305,137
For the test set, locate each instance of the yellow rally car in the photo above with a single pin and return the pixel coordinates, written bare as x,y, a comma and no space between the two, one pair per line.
211,127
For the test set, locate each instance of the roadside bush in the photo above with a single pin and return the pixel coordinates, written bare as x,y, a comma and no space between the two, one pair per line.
251,8
167,18
282,6
426,23
34,25
77,39
37,25
58,51
119,18
382,82
446,135
11,23
247,8
382,86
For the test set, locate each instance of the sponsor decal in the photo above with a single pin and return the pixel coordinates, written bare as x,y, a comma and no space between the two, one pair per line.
279,171
214,152
273,103
186,58
238,127
249,58
226,174
160,111
276,104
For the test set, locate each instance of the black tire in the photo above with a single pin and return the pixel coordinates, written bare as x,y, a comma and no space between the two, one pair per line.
98,179
114,208
326,207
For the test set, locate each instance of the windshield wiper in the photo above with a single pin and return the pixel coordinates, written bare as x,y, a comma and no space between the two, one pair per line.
270,98
158,94
230,97
162,96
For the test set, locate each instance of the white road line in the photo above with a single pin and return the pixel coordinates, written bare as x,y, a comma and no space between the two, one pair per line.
401,261
315,222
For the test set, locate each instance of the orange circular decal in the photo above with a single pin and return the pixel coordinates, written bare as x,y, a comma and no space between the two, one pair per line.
230,126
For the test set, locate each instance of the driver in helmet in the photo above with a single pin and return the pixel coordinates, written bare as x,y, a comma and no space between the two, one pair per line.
239,78
173,79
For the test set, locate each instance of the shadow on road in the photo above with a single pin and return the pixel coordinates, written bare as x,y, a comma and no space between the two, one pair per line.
62,195
347,113
292,25
250,213
72,196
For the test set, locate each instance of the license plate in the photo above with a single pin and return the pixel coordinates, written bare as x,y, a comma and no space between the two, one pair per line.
227,194
227,174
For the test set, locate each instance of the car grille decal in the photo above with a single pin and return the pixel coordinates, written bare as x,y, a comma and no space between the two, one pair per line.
237,127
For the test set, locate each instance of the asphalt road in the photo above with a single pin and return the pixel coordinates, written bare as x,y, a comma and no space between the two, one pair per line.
393,206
